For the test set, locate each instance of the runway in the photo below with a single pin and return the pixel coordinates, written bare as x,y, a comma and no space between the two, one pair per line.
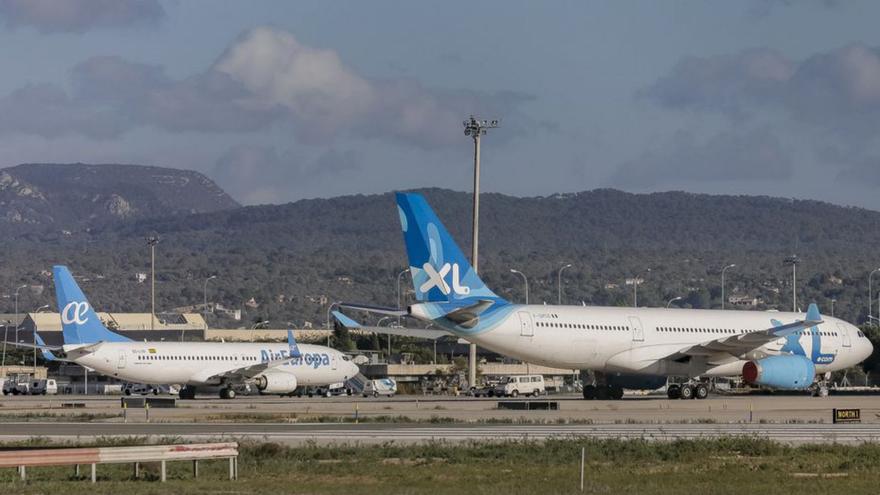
324,434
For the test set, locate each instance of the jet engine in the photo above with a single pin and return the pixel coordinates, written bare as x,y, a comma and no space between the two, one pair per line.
784,372
275,382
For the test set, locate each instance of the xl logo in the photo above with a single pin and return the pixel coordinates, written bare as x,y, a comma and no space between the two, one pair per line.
438,279
75,312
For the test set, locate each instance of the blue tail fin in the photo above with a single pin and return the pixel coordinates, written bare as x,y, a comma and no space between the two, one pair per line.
47,354
439,270
291,344
79,322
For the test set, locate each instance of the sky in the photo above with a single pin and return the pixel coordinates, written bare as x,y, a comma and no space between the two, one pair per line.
279,101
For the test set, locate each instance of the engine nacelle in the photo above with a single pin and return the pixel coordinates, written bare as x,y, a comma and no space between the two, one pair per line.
785,372
275,382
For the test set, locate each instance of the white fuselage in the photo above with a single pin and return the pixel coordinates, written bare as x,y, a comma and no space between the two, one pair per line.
201,363
636,340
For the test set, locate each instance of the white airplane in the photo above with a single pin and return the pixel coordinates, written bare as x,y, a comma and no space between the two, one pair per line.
629,347
271,368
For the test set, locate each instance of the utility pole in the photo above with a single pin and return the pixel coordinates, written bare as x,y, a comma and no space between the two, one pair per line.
152,241
35,338
793,260
559,283
476,128
722,282
870,299
204,304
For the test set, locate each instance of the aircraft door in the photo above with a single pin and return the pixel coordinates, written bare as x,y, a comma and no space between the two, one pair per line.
638,332
333,361
121,363
844,335
526,329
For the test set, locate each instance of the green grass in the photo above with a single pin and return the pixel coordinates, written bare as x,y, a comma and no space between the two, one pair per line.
735,465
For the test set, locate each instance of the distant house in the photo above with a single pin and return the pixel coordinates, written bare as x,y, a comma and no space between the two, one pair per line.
745,301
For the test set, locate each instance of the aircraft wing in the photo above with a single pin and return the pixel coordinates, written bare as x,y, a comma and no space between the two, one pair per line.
422,333
739,344
248,372
375,309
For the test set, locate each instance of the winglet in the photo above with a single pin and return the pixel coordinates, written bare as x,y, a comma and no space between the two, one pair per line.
47,354
813,313
345,321
291,342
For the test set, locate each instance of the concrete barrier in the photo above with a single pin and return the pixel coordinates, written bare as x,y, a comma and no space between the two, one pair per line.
529,405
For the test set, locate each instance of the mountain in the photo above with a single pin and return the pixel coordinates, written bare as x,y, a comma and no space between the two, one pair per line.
293,259
71,198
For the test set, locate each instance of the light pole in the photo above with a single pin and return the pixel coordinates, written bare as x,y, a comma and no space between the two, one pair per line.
205,300
17,319
399,304
793,260
254,328
677,298
832,307
635,281
151,242
525,281
732,265
35,338
870,298
559,283
476,128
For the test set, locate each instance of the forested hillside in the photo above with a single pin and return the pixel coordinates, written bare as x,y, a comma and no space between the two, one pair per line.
294,258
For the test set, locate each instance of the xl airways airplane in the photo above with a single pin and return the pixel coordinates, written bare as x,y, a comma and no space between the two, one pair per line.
272,368
630,347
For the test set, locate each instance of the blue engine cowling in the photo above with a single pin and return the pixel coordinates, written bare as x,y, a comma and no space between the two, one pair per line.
785,372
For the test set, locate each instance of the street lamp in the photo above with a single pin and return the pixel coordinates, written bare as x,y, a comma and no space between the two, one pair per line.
475,128
832,307
870,299
151,242
559,282
677,298
635,282
205,300
732,265
254,328
35,338
525,281
17,319
399,304
793,260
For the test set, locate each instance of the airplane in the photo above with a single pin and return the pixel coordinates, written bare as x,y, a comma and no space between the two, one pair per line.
633,348
271,368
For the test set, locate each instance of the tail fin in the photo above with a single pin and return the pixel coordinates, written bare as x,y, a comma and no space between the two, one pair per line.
439,270
47,354
79,322
291,345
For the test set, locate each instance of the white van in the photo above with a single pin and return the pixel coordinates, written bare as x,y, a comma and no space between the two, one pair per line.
43,387
513,386
382,386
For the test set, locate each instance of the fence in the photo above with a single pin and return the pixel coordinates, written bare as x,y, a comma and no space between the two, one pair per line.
23,459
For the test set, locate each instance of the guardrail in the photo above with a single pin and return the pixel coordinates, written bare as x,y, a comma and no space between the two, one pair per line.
25,458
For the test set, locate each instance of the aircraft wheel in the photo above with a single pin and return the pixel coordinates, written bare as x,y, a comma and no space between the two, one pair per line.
590,392
615,392
673,391
687,392
701,391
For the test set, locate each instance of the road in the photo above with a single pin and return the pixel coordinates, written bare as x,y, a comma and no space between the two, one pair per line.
324,434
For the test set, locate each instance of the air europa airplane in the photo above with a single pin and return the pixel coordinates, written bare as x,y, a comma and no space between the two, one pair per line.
272,368
628,347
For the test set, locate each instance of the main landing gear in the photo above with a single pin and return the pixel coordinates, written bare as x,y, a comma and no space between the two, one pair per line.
687,391
227,393
603,392
187,393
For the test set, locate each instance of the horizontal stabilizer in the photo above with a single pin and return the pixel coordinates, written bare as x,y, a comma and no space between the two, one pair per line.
375,309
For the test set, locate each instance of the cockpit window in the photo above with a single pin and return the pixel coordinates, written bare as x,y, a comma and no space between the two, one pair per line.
346,358
861,334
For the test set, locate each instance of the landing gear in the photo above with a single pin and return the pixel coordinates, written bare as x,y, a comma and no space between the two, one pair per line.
590,392
687,391
603,392
187,393
227,393
820,388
